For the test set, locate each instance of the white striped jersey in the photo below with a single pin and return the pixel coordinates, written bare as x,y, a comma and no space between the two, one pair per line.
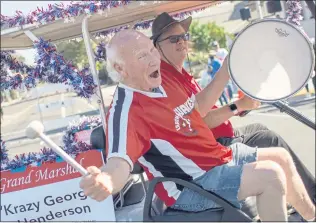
164,133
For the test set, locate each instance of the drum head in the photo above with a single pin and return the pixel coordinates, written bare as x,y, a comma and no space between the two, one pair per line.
271,60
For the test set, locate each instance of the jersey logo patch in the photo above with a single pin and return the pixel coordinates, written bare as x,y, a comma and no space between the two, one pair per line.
182,119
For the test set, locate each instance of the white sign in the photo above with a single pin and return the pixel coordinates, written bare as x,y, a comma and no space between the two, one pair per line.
51,192
62,201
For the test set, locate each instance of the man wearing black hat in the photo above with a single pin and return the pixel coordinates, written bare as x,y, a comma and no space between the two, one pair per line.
171,39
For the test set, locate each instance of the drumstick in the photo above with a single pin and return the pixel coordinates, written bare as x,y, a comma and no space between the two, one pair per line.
35,129
244,113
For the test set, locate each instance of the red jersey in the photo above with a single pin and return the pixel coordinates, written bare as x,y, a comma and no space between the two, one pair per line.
164,133
186,80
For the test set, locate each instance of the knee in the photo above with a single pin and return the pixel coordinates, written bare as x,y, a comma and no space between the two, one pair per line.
276,177
283,157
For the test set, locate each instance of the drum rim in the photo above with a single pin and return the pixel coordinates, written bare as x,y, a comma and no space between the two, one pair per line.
271,20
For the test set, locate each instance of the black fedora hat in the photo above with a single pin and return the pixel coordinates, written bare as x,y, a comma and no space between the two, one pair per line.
163,21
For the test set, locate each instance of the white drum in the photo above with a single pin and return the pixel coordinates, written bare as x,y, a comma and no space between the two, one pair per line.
271,60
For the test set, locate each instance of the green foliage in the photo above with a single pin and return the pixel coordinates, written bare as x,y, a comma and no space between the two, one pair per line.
99,65
202,35
199,58
74,51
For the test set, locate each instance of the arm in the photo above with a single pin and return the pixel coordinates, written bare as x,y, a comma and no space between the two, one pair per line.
210,94
99,184
118,170
215,117
111,178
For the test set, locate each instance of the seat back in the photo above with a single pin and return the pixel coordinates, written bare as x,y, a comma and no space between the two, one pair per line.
98,138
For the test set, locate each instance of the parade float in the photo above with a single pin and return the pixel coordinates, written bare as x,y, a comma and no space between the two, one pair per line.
42,186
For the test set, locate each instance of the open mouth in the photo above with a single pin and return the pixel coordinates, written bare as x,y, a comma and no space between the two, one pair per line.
155,74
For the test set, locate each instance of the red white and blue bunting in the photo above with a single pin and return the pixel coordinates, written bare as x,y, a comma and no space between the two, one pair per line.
84,123
294,12
51,67
59,11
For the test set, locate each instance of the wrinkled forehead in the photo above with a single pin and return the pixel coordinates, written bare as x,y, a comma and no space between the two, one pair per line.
128,36
134,44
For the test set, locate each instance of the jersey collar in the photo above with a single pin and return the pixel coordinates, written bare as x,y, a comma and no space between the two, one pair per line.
160,93
184,78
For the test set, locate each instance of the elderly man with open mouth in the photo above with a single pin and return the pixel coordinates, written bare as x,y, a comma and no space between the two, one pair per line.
158,124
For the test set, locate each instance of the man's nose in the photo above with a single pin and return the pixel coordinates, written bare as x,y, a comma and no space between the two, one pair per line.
180,40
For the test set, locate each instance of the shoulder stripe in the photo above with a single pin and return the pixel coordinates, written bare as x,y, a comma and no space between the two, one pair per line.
124,121
118,121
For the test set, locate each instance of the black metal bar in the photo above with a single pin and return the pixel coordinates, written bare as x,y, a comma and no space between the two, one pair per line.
312,7
295,114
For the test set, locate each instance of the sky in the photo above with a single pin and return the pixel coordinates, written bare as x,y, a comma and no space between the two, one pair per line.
8,8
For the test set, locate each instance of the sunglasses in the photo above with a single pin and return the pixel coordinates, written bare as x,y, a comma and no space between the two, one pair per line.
176,38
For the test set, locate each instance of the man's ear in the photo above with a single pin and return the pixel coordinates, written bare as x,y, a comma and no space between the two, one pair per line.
118,68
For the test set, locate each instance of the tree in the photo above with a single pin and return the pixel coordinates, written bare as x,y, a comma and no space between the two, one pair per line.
74,51
202,35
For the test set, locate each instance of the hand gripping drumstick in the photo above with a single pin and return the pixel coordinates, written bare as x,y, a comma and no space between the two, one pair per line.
35,129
